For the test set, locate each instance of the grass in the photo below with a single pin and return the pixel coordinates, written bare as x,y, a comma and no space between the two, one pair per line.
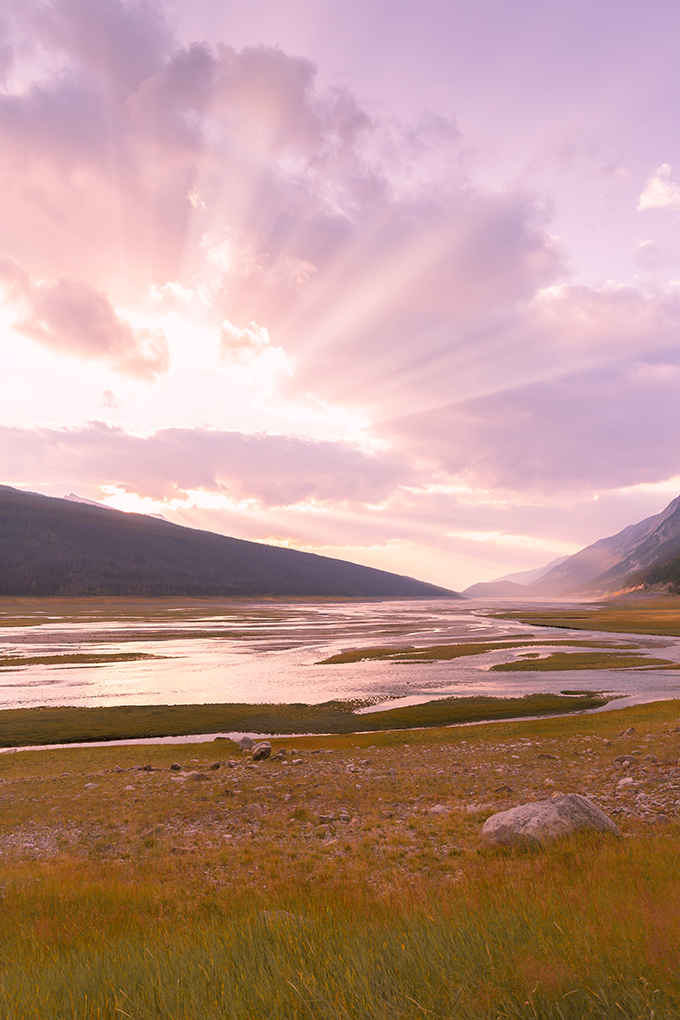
657,616
159,898
62,725
583,660
437,653
73,659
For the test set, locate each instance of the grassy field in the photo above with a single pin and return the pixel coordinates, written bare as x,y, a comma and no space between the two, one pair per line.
329,888
21,727
653,616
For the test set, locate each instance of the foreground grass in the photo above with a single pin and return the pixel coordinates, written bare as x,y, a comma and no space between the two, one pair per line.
328,888
23,727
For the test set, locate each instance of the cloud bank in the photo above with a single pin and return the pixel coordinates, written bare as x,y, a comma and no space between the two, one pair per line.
172,215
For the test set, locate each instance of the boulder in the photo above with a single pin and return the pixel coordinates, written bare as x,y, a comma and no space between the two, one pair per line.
545,820
262,750
245,743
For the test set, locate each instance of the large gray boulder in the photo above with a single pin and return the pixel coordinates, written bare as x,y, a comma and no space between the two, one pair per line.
545,820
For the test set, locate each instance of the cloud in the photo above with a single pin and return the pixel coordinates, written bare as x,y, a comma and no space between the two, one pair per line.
271,470
660,192
590,431
74,317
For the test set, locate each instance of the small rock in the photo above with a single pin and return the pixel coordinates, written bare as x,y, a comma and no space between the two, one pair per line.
215,765
651,759
439,809
503,789
391,772
326,819
623,783
198,777
91,786
129,787
118,769
551,757
630,732
147,768
607,743
261,751
548,782
625,759
177,779
545,820
175,767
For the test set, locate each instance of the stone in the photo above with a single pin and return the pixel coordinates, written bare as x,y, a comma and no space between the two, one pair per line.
175,767
551,757
625,759
198,777
215,765
630,732
623,783
147,768
91,786
651,759
262,750
503,789
118,768
538,823
245,743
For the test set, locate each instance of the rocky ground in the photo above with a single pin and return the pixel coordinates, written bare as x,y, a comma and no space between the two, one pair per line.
416,806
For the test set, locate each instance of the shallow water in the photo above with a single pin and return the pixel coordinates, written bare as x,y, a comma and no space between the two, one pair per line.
268,651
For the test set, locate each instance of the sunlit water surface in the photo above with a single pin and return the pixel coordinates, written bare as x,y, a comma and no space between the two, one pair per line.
268,651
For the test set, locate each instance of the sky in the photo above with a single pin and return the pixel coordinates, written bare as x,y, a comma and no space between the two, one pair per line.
394,282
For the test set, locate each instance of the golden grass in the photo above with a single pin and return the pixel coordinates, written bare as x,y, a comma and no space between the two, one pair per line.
163,900
656,616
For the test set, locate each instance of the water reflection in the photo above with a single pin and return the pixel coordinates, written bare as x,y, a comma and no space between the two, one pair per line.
245,650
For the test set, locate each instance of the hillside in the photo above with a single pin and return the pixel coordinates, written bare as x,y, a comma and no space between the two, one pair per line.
643,553
606,565
59,547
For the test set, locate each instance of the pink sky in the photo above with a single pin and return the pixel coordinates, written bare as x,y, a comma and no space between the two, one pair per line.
395,282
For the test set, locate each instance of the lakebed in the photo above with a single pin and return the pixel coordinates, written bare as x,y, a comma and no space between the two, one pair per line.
375,655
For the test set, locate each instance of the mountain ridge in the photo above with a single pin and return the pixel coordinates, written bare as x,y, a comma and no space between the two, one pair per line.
51,546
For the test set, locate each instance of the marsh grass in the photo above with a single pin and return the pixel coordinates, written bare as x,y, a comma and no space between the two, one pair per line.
583,660
437,653
63,725
654,616
73,659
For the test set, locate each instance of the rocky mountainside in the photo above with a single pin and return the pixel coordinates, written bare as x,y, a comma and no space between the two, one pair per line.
62,547
606,565
638,554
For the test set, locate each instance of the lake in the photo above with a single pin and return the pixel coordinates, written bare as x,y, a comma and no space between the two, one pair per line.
260,650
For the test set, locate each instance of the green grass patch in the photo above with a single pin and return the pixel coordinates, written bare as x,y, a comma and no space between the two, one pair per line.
437,653
63,725
580,660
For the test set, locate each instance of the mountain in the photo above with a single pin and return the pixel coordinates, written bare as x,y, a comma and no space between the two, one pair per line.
511,585
496,590
607,565
54,546
529,576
